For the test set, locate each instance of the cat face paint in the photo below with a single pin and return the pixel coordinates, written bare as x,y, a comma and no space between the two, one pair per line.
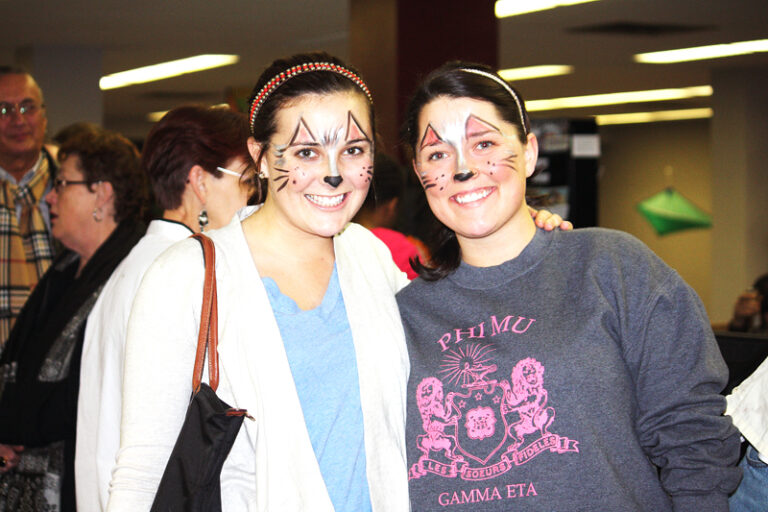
472,165
321,162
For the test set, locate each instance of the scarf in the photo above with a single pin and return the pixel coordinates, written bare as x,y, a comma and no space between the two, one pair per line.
40,369
26,249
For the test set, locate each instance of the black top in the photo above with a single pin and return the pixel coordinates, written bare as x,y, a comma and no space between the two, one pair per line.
40,363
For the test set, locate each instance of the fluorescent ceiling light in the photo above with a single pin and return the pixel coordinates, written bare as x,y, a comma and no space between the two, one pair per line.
506,8
514,74
714,51
618,98
154,117
652,117
165,70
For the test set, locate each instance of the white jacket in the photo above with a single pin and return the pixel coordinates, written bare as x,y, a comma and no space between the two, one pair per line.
272,466
101,371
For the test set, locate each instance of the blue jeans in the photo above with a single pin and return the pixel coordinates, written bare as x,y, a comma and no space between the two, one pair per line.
752,494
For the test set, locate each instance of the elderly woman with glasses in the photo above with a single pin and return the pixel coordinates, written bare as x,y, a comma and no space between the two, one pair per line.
96,205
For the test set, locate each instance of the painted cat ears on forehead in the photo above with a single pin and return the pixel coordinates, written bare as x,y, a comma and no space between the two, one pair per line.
354,130
430,137
473,125
304,135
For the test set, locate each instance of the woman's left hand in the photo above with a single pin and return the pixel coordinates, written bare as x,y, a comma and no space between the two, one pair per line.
548,221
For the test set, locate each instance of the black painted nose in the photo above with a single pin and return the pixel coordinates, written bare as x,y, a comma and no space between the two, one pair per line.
333,181
463,176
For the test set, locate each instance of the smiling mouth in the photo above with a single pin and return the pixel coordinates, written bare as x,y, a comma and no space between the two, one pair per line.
326,201
473,196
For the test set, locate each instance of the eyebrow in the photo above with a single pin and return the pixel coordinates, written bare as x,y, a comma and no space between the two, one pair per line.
357,141
482,132
25,100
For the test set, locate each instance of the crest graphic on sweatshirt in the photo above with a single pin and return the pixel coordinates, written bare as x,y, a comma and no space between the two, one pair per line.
484,427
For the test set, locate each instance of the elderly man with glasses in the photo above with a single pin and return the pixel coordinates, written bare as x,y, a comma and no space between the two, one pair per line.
26,168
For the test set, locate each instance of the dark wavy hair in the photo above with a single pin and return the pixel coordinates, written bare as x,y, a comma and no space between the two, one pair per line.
453,81
108,156
192,135
314,82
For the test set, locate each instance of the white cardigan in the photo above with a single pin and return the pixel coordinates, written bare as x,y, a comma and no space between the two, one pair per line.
272,466
99,402
748,406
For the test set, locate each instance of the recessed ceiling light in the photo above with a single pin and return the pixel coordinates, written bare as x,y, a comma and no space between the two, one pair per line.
652,117
714,51
506,8
165,70
529,72
615,98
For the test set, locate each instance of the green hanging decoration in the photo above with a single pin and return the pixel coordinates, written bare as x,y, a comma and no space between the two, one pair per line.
668,212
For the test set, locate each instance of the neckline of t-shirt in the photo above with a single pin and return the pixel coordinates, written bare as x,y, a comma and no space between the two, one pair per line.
486,278
285,305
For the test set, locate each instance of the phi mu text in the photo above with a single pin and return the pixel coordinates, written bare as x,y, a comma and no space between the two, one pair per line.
510,323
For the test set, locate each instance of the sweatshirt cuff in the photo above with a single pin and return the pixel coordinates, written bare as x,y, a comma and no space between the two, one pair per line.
714,502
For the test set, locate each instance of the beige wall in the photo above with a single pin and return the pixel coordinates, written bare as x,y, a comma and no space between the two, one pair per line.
632,169
738,136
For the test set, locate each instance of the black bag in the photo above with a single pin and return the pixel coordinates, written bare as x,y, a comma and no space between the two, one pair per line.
191,480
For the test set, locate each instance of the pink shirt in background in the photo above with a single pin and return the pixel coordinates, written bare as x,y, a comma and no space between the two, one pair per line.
401,247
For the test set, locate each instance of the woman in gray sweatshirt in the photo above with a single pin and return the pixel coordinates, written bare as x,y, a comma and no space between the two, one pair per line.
552,371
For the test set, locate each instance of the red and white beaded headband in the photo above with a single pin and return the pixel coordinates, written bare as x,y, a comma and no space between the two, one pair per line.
289,73
506,86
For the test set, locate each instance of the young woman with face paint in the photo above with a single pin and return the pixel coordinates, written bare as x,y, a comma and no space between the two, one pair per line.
549,370
310,340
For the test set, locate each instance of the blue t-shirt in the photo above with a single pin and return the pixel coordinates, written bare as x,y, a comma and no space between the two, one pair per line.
321,355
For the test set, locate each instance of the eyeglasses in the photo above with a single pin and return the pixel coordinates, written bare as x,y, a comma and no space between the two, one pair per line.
26,108
59,183
231,173
248,176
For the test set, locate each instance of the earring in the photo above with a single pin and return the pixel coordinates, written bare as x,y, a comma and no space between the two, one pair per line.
97,214
202,219
262,174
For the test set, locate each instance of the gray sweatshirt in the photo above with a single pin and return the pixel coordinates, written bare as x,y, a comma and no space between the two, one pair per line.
582,375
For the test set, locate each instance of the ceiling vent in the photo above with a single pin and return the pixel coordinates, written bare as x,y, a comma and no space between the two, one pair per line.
628,28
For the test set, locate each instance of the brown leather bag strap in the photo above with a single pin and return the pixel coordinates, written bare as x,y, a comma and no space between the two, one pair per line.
208,335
